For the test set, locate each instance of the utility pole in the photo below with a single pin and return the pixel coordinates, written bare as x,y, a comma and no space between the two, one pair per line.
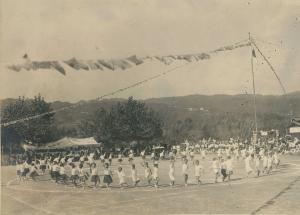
254,92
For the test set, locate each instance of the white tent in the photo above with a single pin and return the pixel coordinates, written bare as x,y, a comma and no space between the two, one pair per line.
28,147
68,142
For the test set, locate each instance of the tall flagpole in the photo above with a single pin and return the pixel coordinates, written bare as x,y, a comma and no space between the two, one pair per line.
254,92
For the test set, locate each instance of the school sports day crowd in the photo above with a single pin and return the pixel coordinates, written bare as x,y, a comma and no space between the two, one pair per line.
64,169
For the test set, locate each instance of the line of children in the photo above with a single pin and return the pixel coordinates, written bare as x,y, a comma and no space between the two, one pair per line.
78,175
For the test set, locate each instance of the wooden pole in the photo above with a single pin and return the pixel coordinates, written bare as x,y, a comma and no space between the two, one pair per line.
254,92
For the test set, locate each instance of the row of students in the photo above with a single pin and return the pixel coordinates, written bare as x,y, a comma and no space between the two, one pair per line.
221,167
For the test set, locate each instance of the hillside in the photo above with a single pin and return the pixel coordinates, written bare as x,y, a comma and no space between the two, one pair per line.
217,114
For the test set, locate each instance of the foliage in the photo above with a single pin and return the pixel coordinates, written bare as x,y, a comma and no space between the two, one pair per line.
37,131
126,122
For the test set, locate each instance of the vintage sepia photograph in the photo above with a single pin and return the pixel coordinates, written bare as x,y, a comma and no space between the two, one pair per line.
150,107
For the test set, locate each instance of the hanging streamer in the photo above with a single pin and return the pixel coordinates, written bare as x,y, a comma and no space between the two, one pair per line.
78,64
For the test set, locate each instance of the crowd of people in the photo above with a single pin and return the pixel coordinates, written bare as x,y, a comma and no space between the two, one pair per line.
259,158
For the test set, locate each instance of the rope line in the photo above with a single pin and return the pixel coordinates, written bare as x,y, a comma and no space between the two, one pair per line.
271,67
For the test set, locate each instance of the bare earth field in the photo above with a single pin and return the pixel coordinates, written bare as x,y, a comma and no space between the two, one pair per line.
278,193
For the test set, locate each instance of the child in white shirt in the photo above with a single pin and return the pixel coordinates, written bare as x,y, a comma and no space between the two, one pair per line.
121,176
155,174
215,167
172,172
185,168
198,171
134,175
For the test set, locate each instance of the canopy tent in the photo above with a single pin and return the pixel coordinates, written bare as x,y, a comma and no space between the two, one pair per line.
68,142
28,147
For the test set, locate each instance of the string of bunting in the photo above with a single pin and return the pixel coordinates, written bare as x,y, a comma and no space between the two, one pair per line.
187,58
114,64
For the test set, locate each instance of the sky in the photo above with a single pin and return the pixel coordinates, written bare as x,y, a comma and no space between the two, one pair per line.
93,29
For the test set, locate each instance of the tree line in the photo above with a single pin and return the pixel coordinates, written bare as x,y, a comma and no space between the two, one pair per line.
127,122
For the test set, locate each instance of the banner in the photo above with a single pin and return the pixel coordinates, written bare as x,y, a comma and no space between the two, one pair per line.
114,64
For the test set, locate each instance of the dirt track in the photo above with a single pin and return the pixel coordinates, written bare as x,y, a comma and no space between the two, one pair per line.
277,193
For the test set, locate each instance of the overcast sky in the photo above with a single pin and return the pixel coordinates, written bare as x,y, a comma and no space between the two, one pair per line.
93,29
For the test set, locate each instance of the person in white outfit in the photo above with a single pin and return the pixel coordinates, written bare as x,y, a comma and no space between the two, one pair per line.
155,174
172,172
248,168
121,176
134,175
185,168
229,166
198,171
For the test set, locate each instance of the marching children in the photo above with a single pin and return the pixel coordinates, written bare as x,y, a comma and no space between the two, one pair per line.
243,153
148,173
20,170
215,167
26,169
223,169
130,157
62,174
192,156
203,154
102,158
91,161
134,175
270,162
172,172
198,171
83,176
229,166
33,171
236,154
143,155
276,159
70,160
43,165
120,158
185,168
63,160
183,155
110,158
55,171
161,155
107,180
219,153
153,156
74,174
95,176
257,164
248,168
265,164
82,159
121,176
155,174
172,155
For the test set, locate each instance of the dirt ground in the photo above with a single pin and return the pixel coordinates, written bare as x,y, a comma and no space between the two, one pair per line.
278,193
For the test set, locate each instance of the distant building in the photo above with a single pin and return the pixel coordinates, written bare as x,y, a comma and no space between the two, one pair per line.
294,128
